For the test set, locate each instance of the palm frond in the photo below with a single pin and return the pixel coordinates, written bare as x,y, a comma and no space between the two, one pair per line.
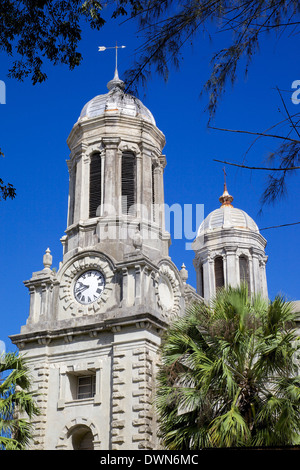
227,374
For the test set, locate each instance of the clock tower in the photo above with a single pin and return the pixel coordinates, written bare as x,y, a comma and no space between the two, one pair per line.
94,328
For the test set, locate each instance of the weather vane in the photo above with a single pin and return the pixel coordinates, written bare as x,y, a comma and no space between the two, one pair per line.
224,171
116,47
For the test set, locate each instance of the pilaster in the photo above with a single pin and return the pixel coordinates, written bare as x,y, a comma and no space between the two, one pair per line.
230,265
39,423
111,152
142,394
118,399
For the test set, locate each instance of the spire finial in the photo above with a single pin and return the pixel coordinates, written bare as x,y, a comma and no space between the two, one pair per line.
225,199
116,80
224,171
47,259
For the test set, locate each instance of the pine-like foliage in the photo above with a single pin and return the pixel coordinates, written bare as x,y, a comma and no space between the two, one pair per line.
228,376
168,25
169,28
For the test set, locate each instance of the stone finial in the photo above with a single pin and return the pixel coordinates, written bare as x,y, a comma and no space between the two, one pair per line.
226,199
183,273
116,82
47,259
137,240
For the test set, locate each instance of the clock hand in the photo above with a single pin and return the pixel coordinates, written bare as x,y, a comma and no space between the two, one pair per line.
81,284
82,288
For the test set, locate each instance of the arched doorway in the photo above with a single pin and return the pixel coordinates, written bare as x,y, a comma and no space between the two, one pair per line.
79,434
82,438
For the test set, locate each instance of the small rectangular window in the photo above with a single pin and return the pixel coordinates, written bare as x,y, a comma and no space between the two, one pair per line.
86,386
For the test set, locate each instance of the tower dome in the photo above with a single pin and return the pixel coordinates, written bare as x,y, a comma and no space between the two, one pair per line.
229,249
116,100
227,216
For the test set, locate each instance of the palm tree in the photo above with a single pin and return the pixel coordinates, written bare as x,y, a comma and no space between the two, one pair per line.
16,403
228,376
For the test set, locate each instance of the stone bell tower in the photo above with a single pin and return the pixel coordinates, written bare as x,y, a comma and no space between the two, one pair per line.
229,250
94,327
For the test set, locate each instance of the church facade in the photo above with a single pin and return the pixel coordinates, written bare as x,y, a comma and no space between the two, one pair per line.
94,327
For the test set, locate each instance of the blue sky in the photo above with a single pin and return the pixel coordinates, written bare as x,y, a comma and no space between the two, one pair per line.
36,121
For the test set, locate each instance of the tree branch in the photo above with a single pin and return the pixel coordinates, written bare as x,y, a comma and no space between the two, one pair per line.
288,114
256,133
279,226
259,167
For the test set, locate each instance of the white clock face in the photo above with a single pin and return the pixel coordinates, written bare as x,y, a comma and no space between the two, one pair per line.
89,287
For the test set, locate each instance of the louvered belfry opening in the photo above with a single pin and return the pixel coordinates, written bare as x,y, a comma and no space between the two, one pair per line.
219,272
95,185
128,183
244,271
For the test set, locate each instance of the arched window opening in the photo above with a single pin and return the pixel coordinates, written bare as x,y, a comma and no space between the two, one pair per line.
244,271
128,183
219,272
82,438
95,185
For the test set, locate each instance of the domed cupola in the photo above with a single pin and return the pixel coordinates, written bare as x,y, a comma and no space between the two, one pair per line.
116,100
229,249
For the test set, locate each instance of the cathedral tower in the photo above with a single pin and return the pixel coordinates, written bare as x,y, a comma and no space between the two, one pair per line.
94,326
116,178
229,250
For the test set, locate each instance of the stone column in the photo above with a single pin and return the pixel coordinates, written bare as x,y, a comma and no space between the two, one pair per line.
251,272
146,178
85,185
163,163
139,180
44,299
208,278
111,155
263,276
138,283
102,179
78,193
159,207
32,293
230,267
256,274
